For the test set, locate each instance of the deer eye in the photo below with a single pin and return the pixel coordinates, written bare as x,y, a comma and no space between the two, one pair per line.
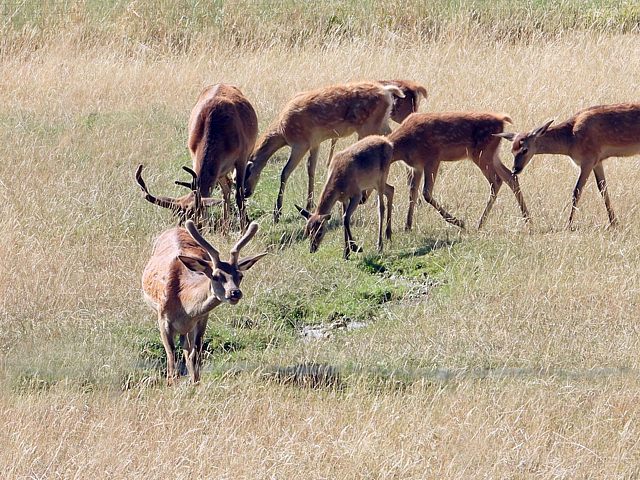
216,277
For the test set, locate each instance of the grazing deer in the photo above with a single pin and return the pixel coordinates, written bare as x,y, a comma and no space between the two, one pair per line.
362,166
191,206
424,140
223,127
183,281
589,137
312,117
402,106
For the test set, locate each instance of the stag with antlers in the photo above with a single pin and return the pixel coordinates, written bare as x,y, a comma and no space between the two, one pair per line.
223,127
184,280
191,206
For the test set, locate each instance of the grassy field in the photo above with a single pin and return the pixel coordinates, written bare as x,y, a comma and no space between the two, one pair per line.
505,353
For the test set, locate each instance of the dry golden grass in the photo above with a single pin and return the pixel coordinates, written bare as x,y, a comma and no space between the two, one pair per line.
522,362
536,428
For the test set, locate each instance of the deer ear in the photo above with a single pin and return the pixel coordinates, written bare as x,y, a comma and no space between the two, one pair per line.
248,262
195,264
305,213
541,130
506,135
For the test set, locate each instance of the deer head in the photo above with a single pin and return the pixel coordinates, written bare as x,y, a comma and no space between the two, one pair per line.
524,145
315,228
224,277
191,206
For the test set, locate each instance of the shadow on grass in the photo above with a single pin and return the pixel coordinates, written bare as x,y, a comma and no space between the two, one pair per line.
290,231
428,245
308,375
414,261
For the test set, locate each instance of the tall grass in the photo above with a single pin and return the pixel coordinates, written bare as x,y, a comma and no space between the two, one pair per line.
496,353
165,27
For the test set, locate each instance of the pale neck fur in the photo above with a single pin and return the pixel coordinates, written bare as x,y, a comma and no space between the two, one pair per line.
204,299
328,199
556,140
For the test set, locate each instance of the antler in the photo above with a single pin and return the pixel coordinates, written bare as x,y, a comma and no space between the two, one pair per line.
193,185
194,177
248,235
160,201
193,231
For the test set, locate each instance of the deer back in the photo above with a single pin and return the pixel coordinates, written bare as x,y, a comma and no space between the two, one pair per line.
333,111
608,129
361,166
223,127
446,136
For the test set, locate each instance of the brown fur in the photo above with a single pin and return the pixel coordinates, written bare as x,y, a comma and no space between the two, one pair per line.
318,115
424,140
363,166
402,106
223,128
183,297
589,137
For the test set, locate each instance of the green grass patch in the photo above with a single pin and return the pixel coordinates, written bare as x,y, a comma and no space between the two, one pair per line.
175,27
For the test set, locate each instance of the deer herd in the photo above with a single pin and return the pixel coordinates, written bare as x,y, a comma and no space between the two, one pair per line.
185,278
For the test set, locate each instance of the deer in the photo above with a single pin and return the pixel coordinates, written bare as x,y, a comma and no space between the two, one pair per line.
315,116
184,280
589,137
424,140
362,166
190,206
402,106
223,127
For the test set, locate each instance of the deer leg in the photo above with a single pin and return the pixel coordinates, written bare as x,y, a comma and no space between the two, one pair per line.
430,174
189,352
388,192
167,334
415,177
297,152
240,201
380,217
495,182
350,244
345,230
201,327
512,182
181,364
193,349
598,171
225,187
312,161
585,170
331,150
